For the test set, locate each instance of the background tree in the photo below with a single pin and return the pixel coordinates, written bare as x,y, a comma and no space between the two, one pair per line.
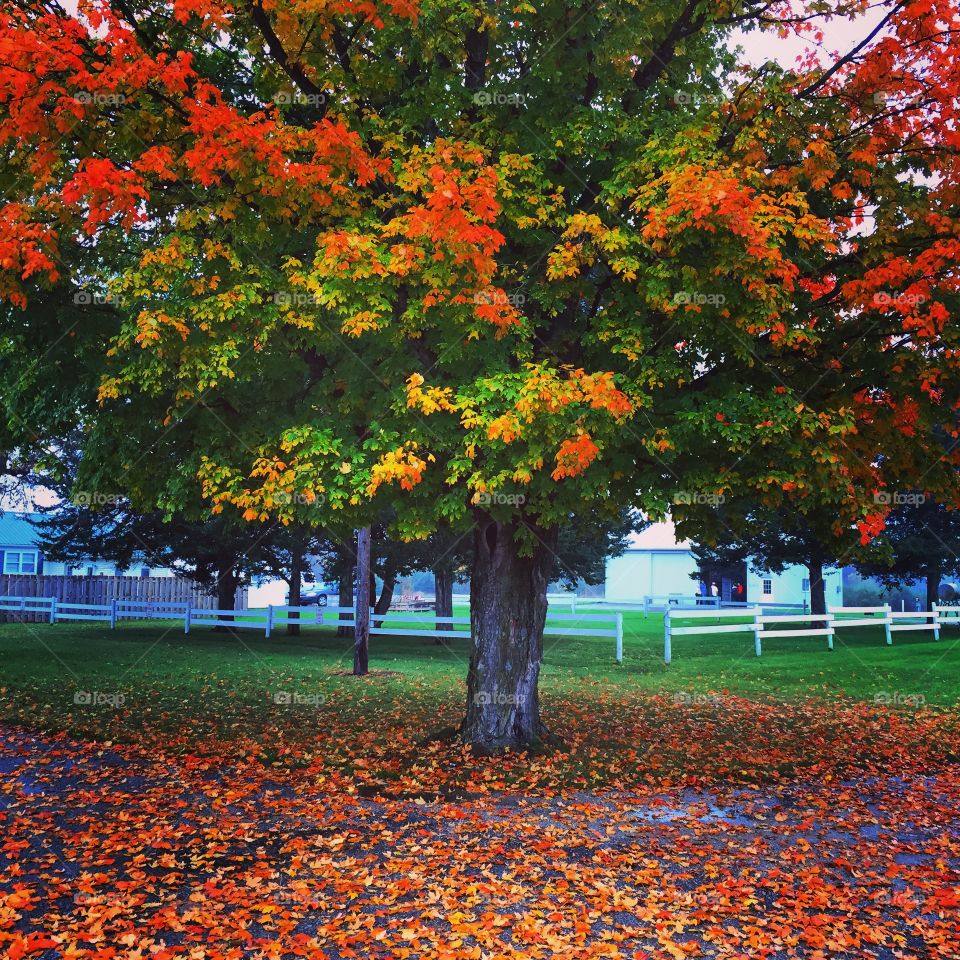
921,541
770,539
549,273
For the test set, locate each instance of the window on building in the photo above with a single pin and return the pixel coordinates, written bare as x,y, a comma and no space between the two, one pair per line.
768,588
20,561
805,586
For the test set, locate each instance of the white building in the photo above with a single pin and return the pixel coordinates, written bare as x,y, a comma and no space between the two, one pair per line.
656,564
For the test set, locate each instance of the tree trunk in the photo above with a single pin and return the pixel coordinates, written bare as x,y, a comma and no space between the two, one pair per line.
443,591
361,613
296,581
345,599
818,594
934,576
227,582
508,608
383,602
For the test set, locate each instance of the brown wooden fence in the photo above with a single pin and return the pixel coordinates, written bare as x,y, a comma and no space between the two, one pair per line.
105,589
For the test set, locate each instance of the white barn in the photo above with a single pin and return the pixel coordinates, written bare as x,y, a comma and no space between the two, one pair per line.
656,564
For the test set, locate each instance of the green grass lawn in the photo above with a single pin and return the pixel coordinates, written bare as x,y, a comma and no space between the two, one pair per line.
42,666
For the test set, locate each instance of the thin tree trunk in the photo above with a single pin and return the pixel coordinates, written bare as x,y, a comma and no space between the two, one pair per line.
818,593
508,609
227,582
361,638
443,591
934,576
296,582
345,599
383,602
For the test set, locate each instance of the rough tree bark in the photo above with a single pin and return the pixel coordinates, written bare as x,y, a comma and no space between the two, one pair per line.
818,594
508,608
296,582
443,591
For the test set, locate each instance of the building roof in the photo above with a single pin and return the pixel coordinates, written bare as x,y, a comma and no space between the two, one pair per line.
658,536
16,530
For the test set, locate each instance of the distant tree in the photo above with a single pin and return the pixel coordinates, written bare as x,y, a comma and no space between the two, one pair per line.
219,554
921,541
770,539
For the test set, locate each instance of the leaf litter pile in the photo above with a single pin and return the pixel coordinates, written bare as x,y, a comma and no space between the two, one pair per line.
716,827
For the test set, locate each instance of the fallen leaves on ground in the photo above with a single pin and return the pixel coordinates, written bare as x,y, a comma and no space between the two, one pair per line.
720,827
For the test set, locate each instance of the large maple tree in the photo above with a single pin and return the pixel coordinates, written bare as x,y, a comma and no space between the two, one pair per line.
488,265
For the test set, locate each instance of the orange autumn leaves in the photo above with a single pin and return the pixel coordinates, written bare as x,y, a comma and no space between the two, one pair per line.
542,402
689,826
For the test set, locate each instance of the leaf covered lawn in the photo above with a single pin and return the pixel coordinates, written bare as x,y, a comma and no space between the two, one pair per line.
726,827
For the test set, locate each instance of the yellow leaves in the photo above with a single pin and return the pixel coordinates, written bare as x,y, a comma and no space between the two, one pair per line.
505,428
109,389
361,322
429,400
401,465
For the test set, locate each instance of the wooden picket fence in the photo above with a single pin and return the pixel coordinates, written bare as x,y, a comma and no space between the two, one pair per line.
101,591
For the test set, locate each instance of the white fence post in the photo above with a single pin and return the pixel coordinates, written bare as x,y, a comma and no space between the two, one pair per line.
269,627
187,617
757,626
936,622
887,621
53,609
666,636
619,637
113,614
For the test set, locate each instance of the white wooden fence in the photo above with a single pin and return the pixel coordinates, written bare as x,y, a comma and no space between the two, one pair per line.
393,623
401,624
766,626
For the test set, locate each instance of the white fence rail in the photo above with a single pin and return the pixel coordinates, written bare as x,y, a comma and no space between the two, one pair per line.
864,617
947,616
392,623
766,626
